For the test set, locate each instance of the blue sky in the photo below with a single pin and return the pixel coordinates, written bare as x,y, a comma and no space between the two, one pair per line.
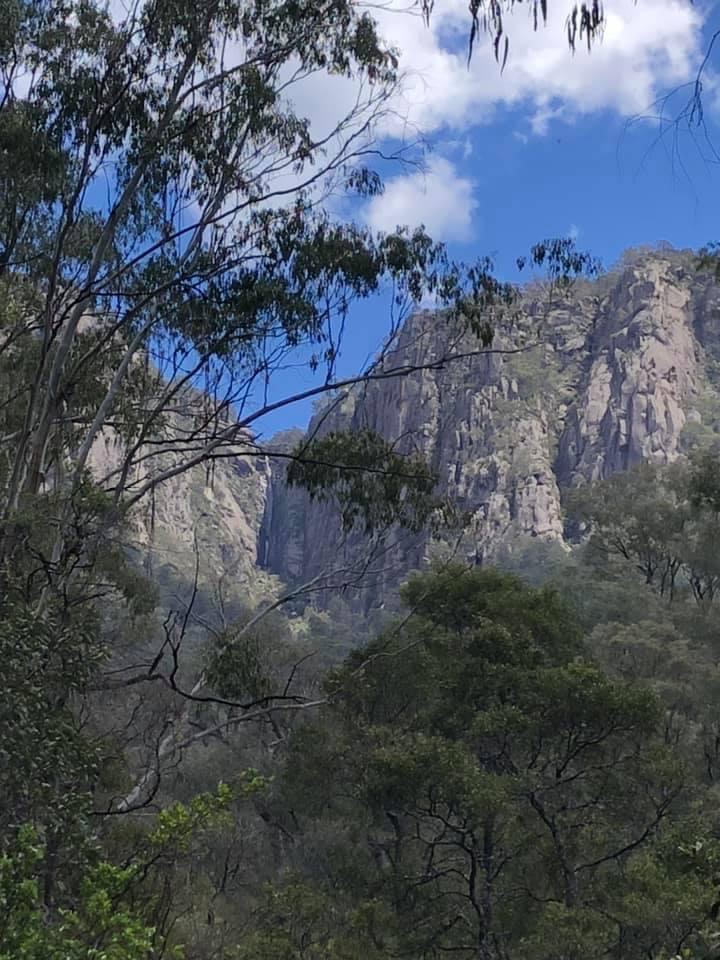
552,147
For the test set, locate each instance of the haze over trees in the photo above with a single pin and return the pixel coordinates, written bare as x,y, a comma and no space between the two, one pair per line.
502,771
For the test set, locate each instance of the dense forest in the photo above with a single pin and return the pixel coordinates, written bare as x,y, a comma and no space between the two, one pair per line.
516,761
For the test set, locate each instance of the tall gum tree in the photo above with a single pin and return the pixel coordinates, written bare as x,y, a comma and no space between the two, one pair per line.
165,248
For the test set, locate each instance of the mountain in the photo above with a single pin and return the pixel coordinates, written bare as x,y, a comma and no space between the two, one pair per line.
621,370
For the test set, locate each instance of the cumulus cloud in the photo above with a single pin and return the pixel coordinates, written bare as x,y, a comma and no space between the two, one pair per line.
647,48
438,196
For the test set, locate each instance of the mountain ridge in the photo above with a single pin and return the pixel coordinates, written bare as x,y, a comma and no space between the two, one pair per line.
614,372
622,374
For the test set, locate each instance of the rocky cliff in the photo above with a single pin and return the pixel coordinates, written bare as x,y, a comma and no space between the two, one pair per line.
200,526
621,370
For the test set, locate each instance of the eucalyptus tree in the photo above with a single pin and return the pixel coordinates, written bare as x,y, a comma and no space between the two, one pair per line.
167,246
162,227
478,786
164,244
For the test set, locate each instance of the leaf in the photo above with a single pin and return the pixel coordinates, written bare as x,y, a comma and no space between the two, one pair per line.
473,34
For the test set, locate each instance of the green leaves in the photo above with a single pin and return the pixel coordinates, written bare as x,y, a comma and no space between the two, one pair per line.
492,775
407,767
585,21
179,825
101,926
374,486
46,766
301,918
662,522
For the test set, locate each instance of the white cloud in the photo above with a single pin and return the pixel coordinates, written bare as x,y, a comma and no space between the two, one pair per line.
647,48
543,116
439,197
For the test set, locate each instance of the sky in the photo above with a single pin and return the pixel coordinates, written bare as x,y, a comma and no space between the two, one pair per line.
558,144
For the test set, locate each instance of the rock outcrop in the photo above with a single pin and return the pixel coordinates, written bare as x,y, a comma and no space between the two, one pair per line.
622,370
619,372
646,366
202,524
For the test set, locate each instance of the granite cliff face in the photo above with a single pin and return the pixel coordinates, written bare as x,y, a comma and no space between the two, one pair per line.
623,371
204,522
